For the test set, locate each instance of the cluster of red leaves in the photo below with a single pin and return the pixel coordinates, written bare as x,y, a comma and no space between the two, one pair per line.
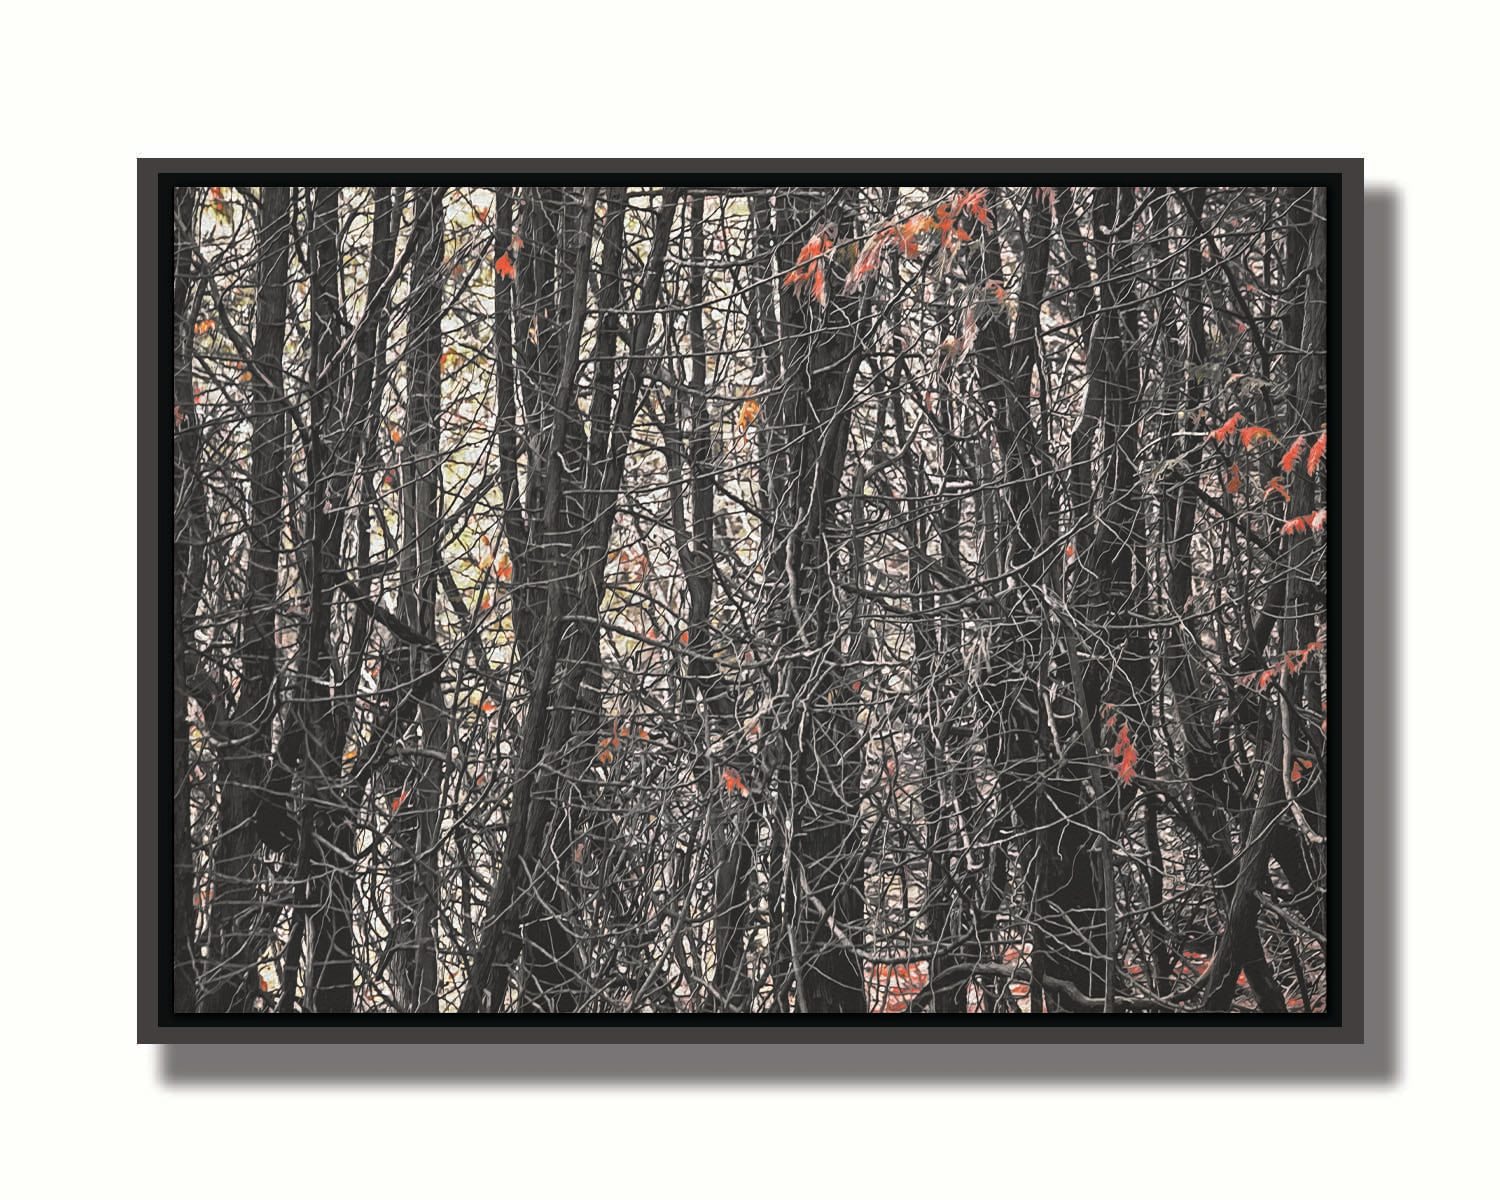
1124,749
1292,660
903,237
1310,521
808,275
733,783
1314,455
1248,435
869,257
945,217
896,985
505,265
617,738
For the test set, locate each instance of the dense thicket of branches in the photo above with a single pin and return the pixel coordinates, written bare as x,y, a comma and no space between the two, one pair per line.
636,599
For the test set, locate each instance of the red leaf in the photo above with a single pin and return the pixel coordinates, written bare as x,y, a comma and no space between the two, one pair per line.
869,258
973,204
1125,754
808,273
399,800
1315,455
1289,459
1253,433
506,268
1311,521
487,707
1276,486
1228,428
1233,485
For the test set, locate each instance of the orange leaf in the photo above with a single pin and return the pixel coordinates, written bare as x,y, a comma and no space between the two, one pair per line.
869,258
1228,428
1312,521
1233,484
733,782
487,707
973,204
204,326
906,239
748,412
503,569
1125,754
855,685
1315,455
1276,486
1253,433
506,268
1289,459
395,435
399,800
683,637
808,273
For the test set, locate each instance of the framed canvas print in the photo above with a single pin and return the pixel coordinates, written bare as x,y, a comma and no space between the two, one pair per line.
890,600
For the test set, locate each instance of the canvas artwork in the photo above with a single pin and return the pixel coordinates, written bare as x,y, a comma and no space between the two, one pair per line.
726,598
